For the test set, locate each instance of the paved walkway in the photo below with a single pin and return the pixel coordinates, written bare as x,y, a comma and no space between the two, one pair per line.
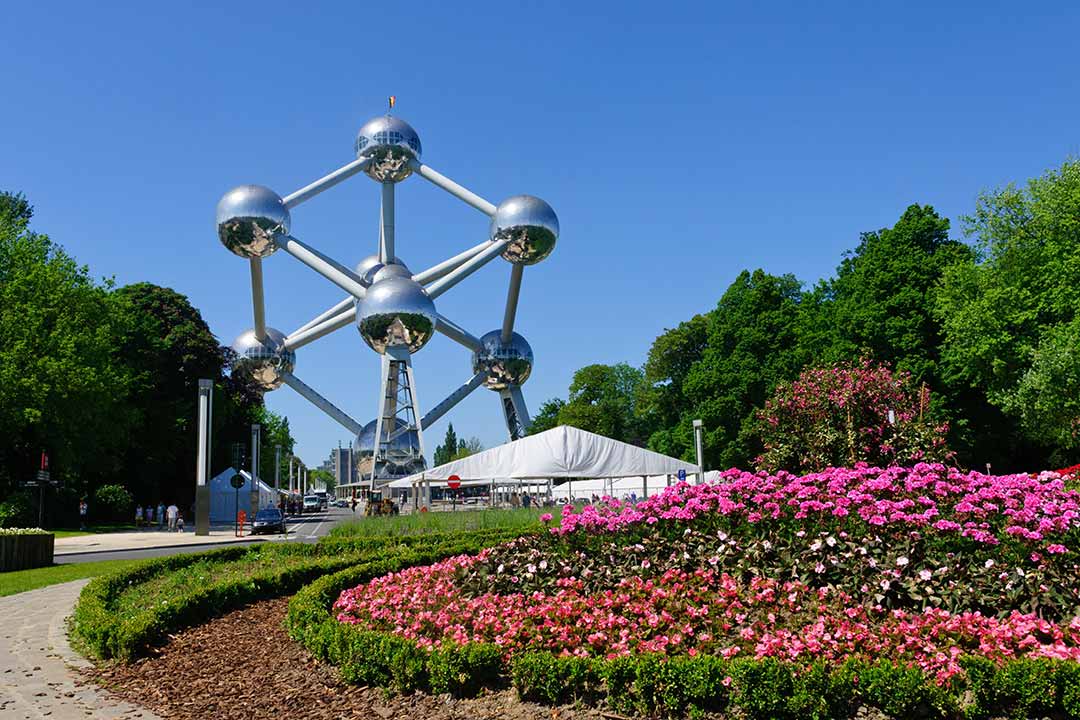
36,676
142,539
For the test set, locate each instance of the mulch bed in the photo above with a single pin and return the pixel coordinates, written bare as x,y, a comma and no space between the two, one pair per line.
245,666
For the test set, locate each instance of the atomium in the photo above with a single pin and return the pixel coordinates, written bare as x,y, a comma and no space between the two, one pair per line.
504,363
393,308
263,362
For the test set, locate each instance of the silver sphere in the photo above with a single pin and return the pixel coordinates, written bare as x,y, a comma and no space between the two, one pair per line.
370,267
263,362
506,364
405,444
530,226
396,312
249,218
368,264
391,143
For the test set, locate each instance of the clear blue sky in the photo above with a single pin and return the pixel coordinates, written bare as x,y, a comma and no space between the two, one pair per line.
678,142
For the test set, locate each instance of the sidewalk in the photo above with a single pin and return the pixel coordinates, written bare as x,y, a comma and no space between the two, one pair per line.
36,675
144,539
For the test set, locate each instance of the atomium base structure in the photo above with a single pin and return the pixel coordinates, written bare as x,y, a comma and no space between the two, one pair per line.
392,307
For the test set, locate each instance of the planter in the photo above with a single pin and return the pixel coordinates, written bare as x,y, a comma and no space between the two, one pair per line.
21,552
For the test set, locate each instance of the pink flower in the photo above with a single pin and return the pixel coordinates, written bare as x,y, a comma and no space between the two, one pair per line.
545,518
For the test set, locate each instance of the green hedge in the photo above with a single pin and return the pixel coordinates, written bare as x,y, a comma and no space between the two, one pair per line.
105,634
655,685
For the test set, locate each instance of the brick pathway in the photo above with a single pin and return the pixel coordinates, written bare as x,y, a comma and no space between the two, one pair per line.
35,678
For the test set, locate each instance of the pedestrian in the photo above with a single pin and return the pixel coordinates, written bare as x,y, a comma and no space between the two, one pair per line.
172,512
149,515
138,517
179,523
526,501
160,515
82,513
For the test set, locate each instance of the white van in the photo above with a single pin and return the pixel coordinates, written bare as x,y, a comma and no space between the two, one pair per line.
311,503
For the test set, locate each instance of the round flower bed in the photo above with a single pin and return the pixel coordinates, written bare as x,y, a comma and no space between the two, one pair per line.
921,566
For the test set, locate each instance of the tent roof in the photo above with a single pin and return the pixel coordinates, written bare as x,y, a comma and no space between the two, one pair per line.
562,452
225,476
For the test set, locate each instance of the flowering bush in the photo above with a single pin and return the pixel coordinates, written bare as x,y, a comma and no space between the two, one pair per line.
919,566
840,415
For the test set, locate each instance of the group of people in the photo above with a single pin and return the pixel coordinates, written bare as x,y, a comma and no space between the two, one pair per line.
171,514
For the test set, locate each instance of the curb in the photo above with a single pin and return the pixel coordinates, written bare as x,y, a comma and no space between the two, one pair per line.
237,541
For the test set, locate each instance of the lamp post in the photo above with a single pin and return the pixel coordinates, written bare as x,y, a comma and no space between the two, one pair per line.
202,466
699,430
256,446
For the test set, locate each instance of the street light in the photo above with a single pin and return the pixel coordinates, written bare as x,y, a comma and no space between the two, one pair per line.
699,429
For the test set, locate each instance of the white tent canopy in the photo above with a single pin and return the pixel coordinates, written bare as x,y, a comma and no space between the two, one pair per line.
562,452
223,496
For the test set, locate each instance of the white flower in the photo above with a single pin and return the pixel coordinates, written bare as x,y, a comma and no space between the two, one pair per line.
1020,572
819,568
500,568
531,568
989,564
816,545
801,533
543,565
925,575
901,561
885,584
766,544
830,541
721,536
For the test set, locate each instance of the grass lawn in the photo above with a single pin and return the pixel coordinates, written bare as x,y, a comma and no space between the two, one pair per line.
420,523
19,581
92,530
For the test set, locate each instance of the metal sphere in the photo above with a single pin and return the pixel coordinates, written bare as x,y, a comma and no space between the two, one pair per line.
506,364
263,362
369,269
404,445
249,218
391,143
396,312
530,226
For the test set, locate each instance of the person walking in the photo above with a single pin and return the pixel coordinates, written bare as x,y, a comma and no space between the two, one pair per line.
138,517
149,515
160,515
172,512
82,513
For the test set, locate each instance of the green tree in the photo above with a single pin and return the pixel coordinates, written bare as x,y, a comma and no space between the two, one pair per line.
321,478
1007,318
603,400
467,448
547,417
275,433
445,453
61,389
751,344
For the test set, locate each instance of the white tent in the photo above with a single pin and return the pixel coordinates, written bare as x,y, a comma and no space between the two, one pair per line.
562,452
223,496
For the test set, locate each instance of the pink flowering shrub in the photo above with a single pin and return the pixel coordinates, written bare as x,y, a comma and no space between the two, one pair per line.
917,565
839,415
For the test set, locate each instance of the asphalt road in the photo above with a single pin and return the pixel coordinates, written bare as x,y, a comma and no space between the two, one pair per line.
304,528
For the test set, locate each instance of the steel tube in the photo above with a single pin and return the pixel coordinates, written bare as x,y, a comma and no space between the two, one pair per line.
465,195
303,337
330,269
437,271
203,449
325,183
476,262
322,403
458,334
257,303
516,273
325,315
386,247
451,400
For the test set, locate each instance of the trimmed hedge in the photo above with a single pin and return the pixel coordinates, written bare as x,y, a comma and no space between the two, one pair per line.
655,685
107,635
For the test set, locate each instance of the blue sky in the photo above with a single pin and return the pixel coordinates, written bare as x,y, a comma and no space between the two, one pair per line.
678,142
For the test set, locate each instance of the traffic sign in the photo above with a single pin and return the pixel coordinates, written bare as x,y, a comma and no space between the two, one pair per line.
237,481
43,476
681,475
453,482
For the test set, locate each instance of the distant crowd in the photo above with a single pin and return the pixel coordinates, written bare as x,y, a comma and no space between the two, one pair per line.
146,517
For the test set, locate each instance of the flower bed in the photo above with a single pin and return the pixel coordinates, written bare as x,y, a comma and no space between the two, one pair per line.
25,548
923,567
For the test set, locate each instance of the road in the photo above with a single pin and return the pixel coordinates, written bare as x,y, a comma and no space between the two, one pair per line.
304,528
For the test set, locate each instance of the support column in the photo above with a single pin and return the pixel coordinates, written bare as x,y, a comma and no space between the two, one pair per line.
202,467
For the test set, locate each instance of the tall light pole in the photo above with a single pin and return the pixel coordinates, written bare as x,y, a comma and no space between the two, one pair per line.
256,442
277,468
202,466
699,431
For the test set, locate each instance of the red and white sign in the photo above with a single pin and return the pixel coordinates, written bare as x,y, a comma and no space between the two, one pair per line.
453,482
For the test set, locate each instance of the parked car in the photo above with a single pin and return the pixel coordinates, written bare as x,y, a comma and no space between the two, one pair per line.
341,502
312,503
268,520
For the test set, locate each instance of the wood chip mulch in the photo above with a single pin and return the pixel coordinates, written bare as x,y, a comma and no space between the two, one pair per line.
244,666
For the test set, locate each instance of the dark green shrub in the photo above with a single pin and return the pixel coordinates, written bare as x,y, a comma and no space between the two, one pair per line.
545,678
113,503
762,688
464,670
17,511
